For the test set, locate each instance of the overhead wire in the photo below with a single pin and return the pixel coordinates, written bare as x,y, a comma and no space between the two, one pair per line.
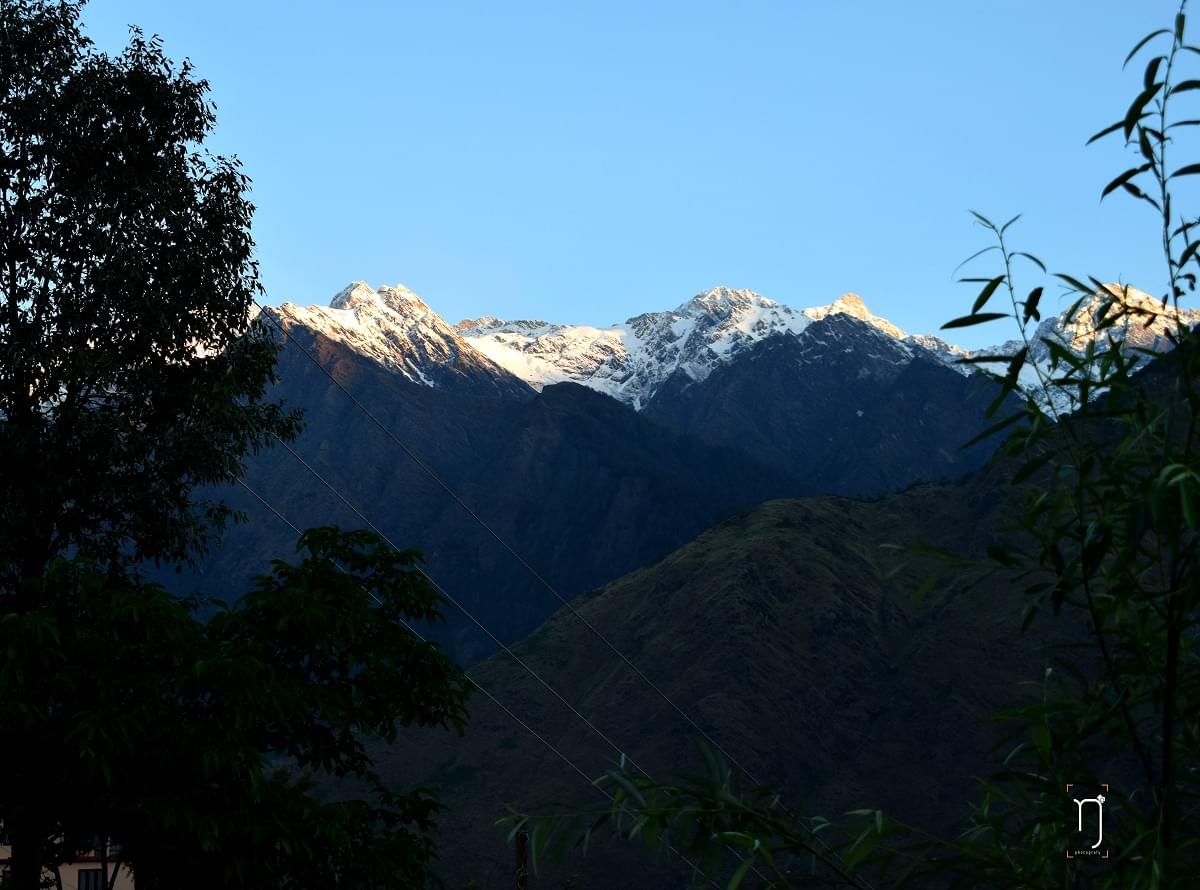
624,756
432,474
475,683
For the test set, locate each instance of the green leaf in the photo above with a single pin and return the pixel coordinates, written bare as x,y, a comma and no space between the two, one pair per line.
1184,86
994,428
1189,252
931,581
1179,20
1031,304
1138,106
1122,179
976,254
736,880
1015,365
1112,128
1189,170
716,768
1031,259
1152,70
1030,467
984,220
1144,144
986,293
1138,193
1187,502
974,319
1141,43
1075,283
1030,612
631,789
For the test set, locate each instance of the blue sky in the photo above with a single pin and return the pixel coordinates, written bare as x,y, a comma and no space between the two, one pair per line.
584,162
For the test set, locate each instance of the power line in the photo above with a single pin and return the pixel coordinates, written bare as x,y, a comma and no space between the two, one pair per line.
513,655
538,577
454,602
503,543
524,725
421,637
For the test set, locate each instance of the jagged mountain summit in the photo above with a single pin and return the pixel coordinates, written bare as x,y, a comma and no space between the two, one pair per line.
397,329
1147,327
633,361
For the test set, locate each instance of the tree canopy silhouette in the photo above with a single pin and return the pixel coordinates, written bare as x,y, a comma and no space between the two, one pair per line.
134,378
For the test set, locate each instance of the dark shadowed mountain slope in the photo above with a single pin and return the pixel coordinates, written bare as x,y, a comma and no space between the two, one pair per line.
780,633
582,486
847,407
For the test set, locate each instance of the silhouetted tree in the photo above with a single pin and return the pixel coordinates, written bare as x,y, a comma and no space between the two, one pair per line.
132,378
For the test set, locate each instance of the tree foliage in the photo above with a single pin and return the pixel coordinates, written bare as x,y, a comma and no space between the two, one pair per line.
1105,457
227,752
199,748
128,374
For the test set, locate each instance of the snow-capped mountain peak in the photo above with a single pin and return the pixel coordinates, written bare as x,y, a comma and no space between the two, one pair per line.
393,326
395,301
1145,327
852,305
720,302
353,294
633,360
630,361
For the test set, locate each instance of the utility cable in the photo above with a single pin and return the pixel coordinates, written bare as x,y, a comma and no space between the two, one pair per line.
625,758
425,468
529,729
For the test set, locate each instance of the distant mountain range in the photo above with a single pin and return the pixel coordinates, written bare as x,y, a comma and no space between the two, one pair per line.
683,478
591,451
630,362
633,361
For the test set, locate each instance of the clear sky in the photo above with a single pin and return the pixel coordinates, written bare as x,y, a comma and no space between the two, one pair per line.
586,161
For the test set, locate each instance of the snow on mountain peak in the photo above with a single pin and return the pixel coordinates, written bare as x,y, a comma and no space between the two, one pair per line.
361,297
631,361
1146,327
390,324
721,301
352,294
852,305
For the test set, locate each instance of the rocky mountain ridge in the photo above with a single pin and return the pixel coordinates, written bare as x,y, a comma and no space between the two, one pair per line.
634,360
